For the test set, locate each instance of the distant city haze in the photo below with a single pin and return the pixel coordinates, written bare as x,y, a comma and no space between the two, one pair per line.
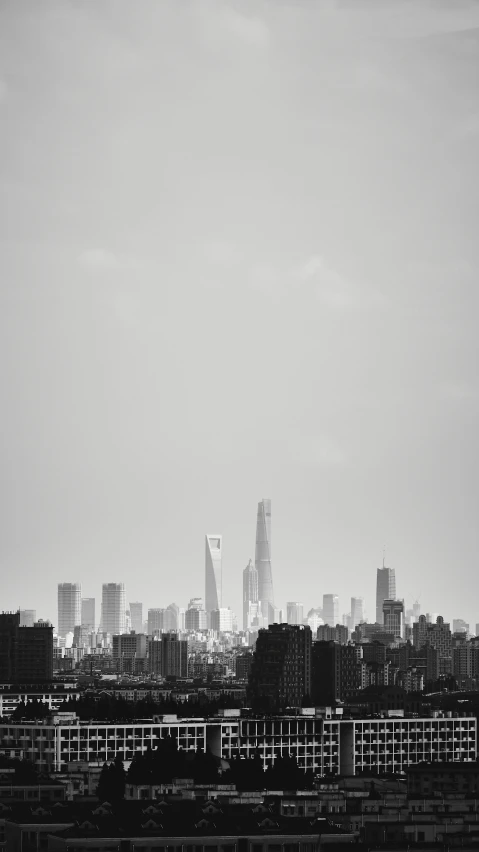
239,259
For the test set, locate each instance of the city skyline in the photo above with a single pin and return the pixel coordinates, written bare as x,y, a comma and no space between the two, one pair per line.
266,288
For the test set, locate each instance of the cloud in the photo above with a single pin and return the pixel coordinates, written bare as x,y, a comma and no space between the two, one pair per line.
99,259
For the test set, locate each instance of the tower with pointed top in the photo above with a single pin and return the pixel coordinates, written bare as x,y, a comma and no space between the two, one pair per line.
250,592
262,560
385,589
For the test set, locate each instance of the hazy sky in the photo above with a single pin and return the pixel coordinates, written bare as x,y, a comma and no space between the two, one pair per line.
239,259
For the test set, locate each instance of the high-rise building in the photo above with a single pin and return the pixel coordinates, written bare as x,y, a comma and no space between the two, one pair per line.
281,668
294,612
460,626
170,618
250,592
88,613
26,653
195,619
385,589
262,559
222,620
136,617
213,572
129,646
393,618
155,621
339,633
331,610
28,617
168,656
69,607
336,672
113,608
357,612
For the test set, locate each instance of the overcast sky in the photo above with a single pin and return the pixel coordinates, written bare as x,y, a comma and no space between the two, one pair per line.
239,259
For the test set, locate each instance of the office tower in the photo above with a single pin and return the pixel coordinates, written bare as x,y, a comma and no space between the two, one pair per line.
416,610
460,626
222,620
28,617
181,617
262,559
26,653
136,617
331,610
69,607
294,612
281,669
113,608
196,603
213,577
88,613
195,619
250,591
393,618
155,621
385,589
357,612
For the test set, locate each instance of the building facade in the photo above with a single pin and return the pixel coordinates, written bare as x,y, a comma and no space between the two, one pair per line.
69,607
385,589
213,573
262,560
294,612
88,613
281,668
136,616
113,608
250,593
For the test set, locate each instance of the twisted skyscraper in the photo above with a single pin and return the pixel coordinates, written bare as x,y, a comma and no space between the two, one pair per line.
263,560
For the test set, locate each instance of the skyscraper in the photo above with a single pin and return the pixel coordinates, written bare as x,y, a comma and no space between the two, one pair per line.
136,616
250,592
69,607
393,618
357,612
113,608
385,589
294,612
262,559
88,613
213,578
331,610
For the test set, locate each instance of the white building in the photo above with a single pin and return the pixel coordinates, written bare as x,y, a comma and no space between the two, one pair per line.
113,608
69,607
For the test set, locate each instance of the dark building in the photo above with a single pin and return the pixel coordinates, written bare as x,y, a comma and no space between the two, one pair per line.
336,672
168,656
26,653
243,666
281,668
427,779
374,652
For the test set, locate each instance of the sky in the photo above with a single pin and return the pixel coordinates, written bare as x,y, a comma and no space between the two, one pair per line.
239,259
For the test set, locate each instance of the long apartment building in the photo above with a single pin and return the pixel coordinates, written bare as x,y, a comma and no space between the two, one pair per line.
325,745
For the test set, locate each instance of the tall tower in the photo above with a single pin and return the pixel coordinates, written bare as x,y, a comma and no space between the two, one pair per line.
250,591
69,607
113,608
262,560
88,613
331,610
385,590
357,612
136,616
213,573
